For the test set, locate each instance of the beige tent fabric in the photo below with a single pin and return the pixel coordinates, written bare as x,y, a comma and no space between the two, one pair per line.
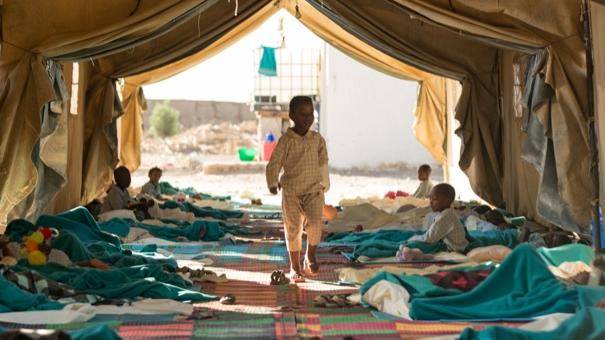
132,121
131,126
429,125
520,179
68,26
461,39
444,52
559,31
597,13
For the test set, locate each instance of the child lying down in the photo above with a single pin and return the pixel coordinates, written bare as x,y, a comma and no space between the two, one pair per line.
443,224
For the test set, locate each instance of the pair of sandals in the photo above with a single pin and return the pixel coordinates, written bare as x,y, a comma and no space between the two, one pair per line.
332,301
278,277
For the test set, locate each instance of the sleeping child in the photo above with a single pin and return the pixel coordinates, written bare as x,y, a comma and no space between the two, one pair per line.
443,227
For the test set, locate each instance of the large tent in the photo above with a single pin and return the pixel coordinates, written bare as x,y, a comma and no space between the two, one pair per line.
523,111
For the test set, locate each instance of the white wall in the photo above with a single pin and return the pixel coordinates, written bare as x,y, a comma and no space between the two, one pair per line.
367,116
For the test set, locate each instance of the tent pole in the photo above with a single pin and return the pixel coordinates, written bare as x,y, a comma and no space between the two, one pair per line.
594,151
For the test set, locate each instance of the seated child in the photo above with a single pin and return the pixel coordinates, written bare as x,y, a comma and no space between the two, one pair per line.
152,188
425,187
118,197
443,224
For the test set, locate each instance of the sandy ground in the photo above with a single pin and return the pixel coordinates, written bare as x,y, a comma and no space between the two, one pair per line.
236,185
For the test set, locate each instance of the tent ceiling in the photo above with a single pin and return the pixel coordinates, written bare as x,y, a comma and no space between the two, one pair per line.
462,39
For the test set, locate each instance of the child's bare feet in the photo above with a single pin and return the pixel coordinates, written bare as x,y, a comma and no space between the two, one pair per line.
311,268
296,276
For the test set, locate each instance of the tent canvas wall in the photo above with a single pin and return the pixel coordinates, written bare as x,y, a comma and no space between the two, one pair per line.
484,45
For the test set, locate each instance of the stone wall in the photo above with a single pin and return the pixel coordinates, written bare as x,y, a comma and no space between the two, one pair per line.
195,113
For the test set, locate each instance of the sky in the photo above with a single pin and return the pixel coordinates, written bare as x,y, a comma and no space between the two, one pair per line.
229,75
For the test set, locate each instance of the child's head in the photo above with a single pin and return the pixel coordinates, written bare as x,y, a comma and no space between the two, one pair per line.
442,197
121,175
155,174
424,172
301,113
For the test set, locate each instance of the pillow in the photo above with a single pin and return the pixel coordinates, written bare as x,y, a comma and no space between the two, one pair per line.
124,213
495,253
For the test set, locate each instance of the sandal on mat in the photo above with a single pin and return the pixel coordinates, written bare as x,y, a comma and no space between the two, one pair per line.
279,278
228,299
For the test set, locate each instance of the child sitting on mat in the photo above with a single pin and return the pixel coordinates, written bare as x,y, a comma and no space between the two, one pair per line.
443,227
303,157
118,197
152,188
425,187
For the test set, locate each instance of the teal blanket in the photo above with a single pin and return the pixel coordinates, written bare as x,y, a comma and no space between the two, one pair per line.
418,286
521,287
213,230
14,299
167,189
150,281
81,238
588,323
98,332
78,220
202,212
569,252
386,243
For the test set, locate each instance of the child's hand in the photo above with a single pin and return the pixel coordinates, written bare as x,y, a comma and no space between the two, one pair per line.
273,190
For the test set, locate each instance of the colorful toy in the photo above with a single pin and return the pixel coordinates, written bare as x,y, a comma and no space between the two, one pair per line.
36,243
36,258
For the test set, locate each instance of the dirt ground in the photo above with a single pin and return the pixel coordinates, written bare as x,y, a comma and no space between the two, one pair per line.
344,184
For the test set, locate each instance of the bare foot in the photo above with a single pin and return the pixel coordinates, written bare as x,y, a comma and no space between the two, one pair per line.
296,277
311,268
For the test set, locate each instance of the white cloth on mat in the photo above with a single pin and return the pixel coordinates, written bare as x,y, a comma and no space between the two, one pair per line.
389,298
77,312
147,307
121,213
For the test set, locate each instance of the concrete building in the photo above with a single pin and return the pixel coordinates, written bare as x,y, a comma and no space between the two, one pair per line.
367,116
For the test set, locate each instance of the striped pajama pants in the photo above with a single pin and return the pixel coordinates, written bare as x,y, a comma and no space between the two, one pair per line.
302,211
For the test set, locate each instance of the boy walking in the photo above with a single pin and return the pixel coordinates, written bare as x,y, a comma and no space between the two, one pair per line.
303,157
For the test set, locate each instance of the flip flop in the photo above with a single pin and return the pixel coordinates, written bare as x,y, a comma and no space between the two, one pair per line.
228,299
278,277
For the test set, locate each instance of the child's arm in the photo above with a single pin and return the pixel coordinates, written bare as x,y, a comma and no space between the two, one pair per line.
436,232
323,164
275,165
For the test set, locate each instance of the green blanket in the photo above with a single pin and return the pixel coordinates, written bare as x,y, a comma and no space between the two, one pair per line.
202,212
96,246
213,230
78,220
98,332
521,287
14,299
150,281
418,286
168,189
569,252
386,243
588,323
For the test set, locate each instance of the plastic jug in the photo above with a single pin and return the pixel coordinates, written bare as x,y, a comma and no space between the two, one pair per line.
269,146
